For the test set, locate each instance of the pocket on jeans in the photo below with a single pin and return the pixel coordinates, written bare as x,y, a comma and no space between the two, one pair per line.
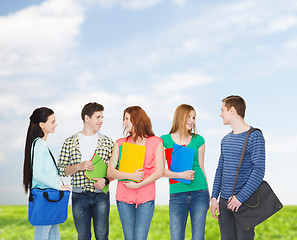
103,195
75,196
174,194
206,192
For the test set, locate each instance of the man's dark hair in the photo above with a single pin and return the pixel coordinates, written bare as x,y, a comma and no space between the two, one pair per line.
90,108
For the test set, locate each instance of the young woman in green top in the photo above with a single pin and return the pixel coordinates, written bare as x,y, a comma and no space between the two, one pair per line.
193,197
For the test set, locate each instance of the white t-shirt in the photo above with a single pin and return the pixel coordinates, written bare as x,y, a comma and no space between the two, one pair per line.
87,146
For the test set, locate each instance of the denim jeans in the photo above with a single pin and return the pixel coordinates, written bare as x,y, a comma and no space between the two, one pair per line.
180,204
47,232
229,228
87,205
136,219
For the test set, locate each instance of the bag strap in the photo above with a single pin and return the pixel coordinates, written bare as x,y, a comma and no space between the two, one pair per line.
31,169
33,159
242,154
55,164
46,196
53,159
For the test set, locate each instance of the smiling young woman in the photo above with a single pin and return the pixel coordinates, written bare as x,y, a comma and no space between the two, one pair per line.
45,174
185,198
136,201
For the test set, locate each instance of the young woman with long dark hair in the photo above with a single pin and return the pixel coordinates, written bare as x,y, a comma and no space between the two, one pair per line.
45,174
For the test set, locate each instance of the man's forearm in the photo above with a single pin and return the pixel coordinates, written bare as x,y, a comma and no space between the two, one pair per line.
72,169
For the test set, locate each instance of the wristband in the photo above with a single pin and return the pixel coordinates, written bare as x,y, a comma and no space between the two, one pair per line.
106,181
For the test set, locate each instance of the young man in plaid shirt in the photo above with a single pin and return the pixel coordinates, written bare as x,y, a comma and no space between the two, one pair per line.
88,200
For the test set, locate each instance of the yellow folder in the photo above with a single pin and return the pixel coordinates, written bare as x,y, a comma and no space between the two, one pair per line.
131,158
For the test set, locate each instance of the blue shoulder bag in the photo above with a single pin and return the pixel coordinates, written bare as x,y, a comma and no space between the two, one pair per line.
47,206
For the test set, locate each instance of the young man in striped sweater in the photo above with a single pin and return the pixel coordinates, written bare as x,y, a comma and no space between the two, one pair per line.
251,171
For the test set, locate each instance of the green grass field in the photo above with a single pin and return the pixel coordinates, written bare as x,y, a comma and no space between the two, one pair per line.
14,225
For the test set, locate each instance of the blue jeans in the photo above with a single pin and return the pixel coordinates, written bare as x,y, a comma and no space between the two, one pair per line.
87,205
47,232
180,204
136,220
229,228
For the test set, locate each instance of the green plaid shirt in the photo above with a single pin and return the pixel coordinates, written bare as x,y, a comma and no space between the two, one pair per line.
70,155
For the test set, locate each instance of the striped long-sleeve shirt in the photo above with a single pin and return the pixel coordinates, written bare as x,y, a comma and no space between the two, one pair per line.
252,169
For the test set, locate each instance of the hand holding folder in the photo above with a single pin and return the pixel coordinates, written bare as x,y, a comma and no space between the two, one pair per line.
99,171
182,160
131,158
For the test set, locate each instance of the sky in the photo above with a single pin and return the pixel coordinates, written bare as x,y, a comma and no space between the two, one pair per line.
156,54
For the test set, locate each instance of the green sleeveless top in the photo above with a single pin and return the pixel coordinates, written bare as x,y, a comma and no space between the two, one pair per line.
199,182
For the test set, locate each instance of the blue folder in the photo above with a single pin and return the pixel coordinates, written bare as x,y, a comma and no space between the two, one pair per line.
182,160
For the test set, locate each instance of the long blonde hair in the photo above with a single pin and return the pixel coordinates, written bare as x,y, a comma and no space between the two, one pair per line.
181,115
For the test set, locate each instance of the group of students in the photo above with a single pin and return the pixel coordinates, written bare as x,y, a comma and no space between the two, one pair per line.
136,200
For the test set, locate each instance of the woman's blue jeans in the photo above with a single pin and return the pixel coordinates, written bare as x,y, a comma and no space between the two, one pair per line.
47,232
87,205
180,204
136,219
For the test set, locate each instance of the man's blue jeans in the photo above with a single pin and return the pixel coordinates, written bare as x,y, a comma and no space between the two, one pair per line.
136,219
87,205
180,204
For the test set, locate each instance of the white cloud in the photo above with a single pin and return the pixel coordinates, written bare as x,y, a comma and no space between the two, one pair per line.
13,105
291,45
177,82
139,4
225,23
216,132
85,78
285,145
38,37
21,97
105,3
196,36
180,2
132,4
280,24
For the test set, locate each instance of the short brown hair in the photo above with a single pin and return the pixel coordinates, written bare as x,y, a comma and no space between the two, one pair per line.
90,108
142,125
181,115
237,102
